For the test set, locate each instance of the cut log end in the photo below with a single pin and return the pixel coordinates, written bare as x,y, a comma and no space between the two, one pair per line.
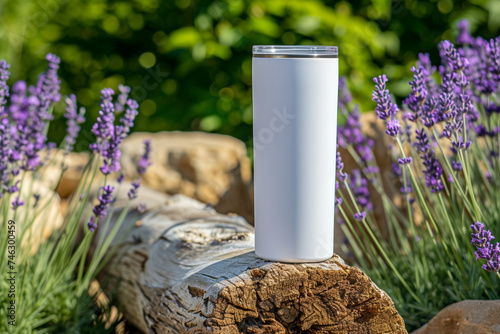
270,297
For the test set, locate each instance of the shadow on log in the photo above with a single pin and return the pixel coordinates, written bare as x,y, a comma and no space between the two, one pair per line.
184,268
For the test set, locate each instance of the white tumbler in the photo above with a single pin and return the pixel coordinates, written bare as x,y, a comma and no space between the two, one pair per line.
294,134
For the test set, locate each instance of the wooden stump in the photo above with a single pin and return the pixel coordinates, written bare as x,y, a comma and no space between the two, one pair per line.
184,268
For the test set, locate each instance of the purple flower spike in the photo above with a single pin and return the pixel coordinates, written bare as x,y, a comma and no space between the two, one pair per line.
359,187
122,98
493,262
481,239
393,127
103,128
433,170
479,236
110,136
14,188
339,164
73,121
132,193
92,224
385,108
5,154
120,178
128,119
419,93
100,210
456,165
404,161
464,36
17,203
396,169
145,160
455,60
48,89
359,216
4,89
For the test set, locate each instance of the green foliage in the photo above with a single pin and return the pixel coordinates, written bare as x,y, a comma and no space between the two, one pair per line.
189,61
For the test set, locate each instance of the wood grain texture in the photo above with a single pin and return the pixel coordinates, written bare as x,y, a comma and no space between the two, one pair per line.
184,268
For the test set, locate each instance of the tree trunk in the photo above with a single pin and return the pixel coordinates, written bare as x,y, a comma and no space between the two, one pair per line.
184,268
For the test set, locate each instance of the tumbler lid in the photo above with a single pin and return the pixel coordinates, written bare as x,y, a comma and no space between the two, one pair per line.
295,51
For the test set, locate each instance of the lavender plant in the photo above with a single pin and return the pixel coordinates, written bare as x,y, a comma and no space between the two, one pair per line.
445,144
55,275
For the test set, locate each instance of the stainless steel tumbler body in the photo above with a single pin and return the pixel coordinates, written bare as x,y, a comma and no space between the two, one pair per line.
295,92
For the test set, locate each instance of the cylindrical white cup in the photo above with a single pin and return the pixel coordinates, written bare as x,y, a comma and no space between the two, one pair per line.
294,133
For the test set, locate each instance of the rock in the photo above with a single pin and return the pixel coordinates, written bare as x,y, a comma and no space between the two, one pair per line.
208,167
74,165
43,218
184,268
465,317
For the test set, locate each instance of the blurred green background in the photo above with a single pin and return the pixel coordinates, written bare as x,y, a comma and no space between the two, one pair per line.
188,62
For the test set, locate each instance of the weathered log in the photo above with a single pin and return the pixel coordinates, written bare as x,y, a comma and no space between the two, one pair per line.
184,268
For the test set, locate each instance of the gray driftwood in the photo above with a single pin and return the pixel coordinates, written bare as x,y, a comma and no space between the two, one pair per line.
184,268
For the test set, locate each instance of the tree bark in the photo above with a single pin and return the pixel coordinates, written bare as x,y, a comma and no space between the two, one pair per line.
184,268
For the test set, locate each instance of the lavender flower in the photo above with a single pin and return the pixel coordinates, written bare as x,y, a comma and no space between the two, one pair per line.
424,61
408,189
452,56
433,170
49,84
386,110
479,236
359,216
73,121
100,210
464,36
4,89
404,161
339,166
17,203
47,91
120,178
14,188
112,153
132,193
122,98
393,127
130,113
27,130
396,169
145,160
110,136
345,96
5,172
359,188
456,165
481,239
27,117
415,100
103,128
92,224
